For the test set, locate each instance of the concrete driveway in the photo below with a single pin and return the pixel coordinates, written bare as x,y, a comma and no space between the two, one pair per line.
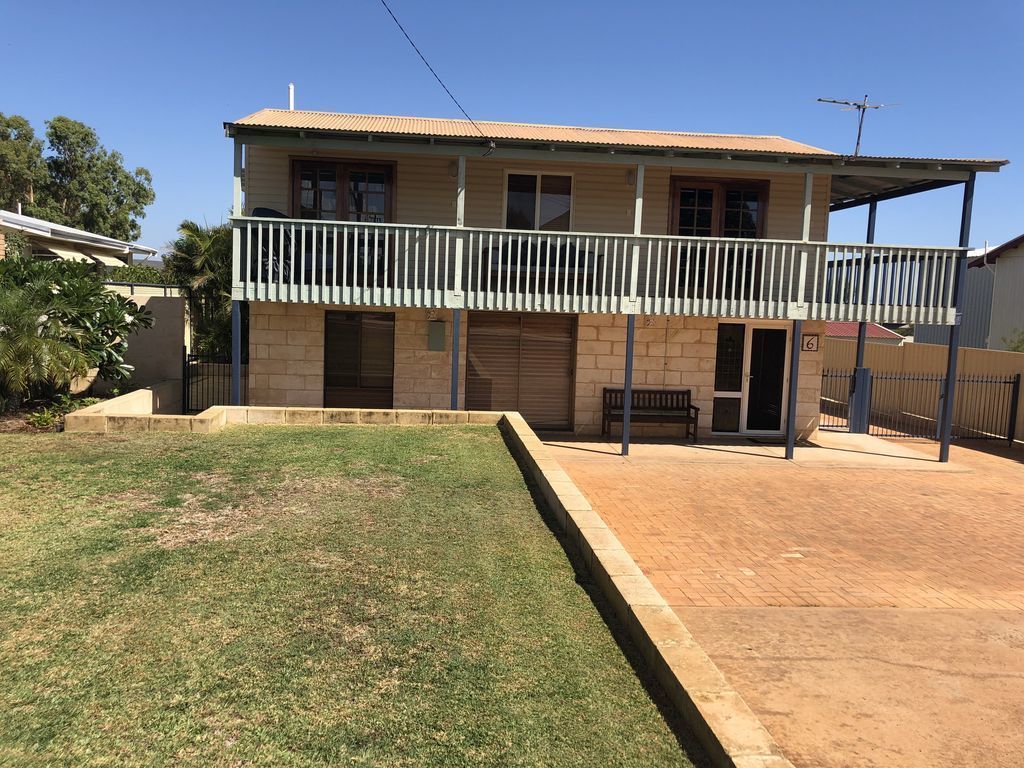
870,613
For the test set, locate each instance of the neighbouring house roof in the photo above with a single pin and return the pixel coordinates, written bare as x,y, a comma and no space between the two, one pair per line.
848,330
995,253
855,180
72,244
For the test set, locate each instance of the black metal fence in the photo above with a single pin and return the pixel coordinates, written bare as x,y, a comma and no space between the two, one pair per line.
206,381
835,399
908,405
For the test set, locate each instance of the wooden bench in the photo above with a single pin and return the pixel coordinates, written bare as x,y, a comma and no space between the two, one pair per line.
651,406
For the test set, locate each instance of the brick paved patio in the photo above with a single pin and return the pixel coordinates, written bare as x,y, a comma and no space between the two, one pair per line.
870,613
754,530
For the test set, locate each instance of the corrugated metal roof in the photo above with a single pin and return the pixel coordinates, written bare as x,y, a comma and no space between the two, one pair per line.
564,134
991,256
848,330
47,230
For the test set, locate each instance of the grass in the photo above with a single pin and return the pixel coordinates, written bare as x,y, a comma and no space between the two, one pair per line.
300,597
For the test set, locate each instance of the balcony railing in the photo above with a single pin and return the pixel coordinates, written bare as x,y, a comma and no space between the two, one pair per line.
399,265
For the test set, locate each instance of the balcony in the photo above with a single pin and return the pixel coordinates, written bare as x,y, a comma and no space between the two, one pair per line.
400,265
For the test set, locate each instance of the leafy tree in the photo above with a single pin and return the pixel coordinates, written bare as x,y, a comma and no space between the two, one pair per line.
22,170
58,322
1015,341
200,260
76,181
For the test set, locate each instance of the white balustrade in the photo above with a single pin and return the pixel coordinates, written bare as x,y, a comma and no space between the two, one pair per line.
402,265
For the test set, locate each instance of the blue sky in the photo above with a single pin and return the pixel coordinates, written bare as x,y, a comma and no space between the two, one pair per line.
157,81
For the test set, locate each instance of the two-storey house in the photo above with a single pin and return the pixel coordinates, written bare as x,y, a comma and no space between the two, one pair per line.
434,263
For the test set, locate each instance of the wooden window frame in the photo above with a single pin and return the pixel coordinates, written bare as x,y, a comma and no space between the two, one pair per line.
536,209
719,187
344,166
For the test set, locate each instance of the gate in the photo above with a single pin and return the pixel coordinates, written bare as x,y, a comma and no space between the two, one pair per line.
206,381
909,405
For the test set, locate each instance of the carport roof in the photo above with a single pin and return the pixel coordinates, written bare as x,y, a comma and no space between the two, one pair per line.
58,236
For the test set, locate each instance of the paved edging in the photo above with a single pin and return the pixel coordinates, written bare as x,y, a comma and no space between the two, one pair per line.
718,716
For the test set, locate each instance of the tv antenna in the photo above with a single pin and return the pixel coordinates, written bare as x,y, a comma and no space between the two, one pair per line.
862,107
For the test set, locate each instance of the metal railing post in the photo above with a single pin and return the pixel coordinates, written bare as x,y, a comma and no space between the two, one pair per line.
949,389
859,409
236,352
627,384
184,379
456,333
1011,432
236,210
794,376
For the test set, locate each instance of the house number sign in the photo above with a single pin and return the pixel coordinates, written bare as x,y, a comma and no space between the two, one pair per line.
809,342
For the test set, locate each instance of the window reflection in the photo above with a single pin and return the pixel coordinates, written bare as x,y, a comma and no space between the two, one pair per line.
539,202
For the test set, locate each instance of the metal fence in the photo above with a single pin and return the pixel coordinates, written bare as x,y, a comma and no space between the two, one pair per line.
206,381
835,399
908,405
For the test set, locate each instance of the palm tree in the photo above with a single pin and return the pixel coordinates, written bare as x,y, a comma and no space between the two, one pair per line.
200,260
34,348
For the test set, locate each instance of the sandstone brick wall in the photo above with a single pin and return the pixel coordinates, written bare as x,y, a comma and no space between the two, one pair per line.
286,356
808,394
286,362
669,352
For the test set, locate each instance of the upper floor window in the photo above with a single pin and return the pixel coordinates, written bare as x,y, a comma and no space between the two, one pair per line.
369,191
718,209
365,191
316,190
539,201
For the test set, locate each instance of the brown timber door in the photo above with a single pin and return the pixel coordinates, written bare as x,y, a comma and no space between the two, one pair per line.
522,362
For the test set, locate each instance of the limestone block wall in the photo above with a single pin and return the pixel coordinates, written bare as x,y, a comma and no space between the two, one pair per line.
670,352
808,395
286,362
286,356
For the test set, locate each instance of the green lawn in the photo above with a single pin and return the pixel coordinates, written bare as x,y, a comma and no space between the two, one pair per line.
292,596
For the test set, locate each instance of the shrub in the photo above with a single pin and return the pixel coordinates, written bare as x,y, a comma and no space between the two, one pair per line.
140,273
49,416
58,322
37,353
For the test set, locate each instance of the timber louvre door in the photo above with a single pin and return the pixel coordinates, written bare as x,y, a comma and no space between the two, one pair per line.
359,359
522,362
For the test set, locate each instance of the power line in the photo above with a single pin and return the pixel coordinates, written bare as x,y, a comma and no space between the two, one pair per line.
436,76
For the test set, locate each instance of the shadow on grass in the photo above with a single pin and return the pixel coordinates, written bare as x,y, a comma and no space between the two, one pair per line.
673,719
